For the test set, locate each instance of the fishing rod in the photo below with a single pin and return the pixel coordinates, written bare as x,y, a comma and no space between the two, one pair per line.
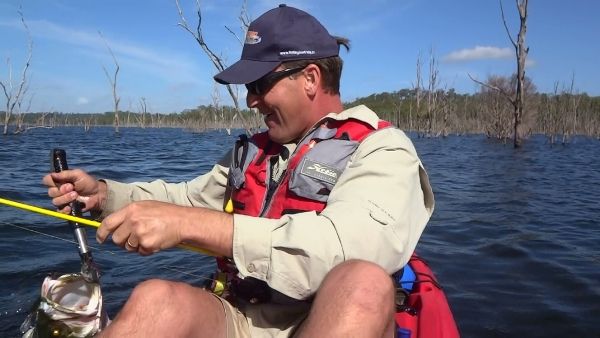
106,251
80,220
37,232
89,270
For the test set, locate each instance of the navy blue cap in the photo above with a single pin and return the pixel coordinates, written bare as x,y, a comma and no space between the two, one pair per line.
281,34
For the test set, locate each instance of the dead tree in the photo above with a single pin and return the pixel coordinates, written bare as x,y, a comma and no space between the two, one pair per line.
143,112
516,99
432,95
550,119
418,87
521,51
87,123
574,100
217,60
14,94
113,83
445,106
220,112
498,115
20,120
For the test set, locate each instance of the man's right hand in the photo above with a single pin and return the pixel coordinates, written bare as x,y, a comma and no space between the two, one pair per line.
69,185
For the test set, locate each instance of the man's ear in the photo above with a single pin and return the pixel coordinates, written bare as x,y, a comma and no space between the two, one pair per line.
312,75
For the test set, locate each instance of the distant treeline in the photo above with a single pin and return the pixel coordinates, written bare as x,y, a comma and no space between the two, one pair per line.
199,118
558,115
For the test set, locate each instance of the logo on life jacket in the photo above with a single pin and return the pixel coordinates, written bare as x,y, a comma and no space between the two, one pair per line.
320,171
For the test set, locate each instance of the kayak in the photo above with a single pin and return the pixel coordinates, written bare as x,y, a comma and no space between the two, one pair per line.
422,309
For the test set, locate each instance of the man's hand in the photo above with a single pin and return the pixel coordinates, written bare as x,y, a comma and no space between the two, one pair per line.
145,226
70,185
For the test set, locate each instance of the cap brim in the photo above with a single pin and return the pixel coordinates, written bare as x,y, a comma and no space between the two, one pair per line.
246,71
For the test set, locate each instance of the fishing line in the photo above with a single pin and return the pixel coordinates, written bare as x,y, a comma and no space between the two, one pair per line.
186,273
54,237
100,249
83,221
88,222
201,277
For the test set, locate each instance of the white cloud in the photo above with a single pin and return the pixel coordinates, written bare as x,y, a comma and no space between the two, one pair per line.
479,53
82,100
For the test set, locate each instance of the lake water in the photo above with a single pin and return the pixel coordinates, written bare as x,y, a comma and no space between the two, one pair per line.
514,238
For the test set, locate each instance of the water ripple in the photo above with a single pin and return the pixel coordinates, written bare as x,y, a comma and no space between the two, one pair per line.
513,239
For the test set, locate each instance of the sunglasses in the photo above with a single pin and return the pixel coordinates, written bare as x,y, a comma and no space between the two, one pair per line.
261,86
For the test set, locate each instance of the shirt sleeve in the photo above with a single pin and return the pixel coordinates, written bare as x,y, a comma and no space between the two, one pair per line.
207,190
376,212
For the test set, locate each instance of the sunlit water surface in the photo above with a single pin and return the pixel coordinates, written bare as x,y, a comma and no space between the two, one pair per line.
513,240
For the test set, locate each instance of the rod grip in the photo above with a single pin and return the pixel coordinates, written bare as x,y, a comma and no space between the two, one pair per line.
59,163
59,160
89,271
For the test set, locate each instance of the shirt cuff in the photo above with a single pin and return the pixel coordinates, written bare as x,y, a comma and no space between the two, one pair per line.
252,245
118,195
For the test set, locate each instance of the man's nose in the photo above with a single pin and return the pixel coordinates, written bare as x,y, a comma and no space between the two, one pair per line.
252,100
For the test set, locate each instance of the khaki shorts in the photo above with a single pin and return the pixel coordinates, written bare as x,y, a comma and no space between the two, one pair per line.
264,320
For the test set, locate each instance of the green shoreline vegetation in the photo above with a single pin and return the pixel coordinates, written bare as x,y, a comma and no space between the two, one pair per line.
430,114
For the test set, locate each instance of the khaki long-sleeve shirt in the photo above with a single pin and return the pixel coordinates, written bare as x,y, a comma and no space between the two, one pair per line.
376,212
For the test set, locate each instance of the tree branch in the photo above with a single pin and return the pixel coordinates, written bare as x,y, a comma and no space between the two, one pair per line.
213,57
506,26
113,82
494,88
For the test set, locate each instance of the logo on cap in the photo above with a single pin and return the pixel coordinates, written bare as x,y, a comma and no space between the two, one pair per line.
252,38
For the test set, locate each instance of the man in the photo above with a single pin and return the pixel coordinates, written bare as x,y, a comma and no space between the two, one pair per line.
319,210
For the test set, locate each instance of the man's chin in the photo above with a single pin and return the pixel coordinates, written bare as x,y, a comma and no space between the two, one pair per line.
277,137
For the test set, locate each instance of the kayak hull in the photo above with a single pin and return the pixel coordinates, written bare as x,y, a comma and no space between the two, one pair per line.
425,312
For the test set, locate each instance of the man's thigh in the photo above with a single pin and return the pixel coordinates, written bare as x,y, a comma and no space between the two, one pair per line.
237,325
264,320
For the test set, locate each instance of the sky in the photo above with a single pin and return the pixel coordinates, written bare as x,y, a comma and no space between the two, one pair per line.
164,65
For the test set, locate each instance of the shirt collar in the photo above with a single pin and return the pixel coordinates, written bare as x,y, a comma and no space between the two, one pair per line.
360,112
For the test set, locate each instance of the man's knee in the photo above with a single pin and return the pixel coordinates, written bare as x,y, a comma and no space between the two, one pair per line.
362,272
159,308
364,283
152,289
166,294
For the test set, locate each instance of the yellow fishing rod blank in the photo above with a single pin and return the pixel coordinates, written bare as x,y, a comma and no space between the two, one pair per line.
51,213
79,220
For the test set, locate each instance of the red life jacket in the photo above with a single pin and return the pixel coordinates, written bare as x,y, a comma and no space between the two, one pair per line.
311,173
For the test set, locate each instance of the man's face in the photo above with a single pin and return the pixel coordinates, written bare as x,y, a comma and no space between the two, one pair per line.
281,98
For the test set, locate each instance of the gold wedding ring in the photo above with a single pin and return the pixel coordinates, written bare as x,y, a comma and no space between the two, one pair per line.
131,245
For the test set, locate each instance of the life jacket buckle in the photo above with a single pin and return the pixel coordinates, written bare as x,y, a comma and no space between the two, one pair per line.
219,283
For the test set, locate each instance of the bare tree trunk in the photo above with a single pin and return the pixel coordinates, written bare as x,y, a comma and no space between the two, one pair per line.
521,51
432,95
551,122
216,60
14,96
20,120
574,102
417,87
87,124
410,119
143,112
113,83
